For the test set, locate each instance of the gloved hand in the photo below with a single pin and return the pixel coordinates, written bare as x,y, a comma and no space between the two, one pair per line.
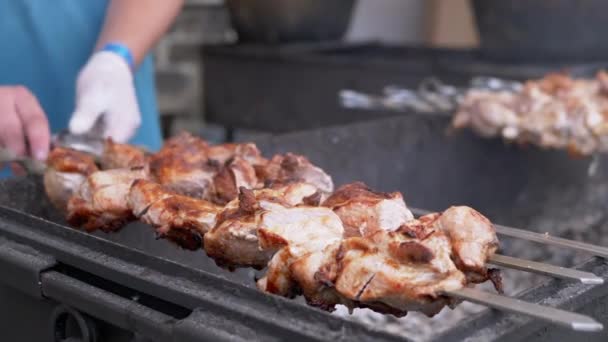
105,87
23,123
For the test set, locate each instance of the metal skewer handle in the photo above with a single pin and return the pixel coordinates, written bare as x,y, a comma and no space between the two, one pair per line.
432,95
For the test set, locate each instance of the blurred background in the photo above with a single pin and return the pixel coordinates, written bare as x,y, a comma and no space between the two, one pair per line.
180,62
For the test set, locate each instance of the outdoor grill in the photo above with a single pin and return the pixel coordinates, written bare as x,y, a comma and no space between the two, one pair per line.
126,282
63,283
135,286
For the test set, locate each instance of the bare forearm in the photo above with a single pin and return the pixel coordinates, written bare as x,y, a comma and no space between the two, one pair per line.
138,23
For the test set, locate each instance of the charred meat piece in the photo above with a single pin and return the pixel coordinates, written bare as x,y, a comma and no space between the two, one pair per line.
189,166
68,160
247,151
181,219
236,239
398,271
101,202
389,272
364,212
295,168
290,194
295,232
120,156
183,167
234,242
488,114
236,173
66,170
473,239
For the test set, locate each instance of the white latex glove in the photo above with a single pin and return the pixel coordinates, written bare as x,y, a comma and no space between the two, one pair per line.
105,87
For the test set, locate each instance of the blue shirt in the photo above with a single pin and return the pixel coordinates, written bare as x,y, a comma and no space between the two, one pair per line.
43,46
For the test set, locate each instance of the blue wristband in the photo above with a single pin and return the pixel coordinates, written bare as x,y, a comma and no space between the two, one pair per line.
121,50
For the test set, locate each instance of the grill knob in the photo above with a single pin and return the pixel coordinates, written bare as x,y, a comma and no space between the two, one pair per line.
69,325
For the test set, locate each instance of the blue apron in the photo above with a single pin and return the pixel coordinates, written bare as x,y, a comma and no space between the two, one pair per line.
43,46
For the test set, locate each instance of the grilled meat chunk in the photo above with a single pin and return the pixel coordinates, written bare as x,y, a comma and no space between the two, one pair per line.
66,170
290,194
247,151
236,173
364,212
120,156
69,160
295,232
102,200
391,272
189,166
181,219
235,240
401,272
473,239
488,114
183,167
292,167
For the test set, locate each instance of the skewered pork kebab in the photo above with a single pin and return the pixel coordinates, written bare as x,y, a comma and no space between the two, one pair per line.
402,266
199,177
556,111
422,265
358,247
390,266
305,251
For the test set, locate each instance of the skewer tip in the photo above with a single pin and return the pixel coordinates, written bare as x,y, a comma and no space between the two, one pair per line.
591,326
592,281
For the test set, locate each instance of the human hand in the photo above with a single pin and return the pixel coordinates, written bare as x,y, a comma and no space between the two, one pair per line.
105,87
24,128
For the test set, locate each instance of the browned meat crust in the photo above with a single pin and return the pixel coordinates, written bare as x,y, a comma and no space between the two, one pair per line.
119,156
68,160
364,211
180,219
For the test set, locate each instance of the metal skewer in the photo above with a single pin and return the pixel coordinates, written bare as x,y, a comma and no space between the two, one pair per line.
541,238
546,269
564,318
552,240
30,165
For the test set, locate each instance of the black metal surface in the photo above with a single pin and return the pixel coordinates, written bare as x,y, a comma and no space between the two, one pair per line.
541,30
409,153
221,309
295,86
24,264
276,21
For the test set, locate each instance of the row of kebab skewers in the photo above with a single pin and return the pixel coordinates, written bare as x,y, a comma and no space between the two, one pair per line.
349,246
556,111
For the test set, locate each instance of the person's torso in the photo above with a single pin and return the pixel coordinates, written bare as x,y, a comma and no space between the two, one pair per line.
44,45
